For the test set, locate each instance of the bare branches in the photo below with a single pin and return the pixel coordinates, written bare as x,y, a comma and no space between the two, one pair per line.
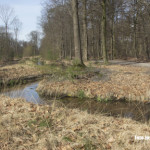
17,24
6,15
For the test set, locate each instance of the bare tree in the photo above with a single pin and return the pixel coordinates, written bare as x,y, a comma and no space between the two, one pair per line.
16,27
103,33
125,22
77,38
85,42
34,38
6,16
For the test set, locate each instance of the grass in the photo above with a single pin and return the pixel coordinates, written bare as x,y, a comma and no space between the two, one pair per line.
67,139
18,70
50,127
97,80
65,72
106,99
81,94
89,145
40,123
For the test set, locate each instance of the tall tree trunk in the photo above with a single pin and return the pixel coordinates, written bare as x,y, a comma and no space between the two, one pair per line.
146,42
85,42
92,40
135,29
113,32
147,48
103,32
77,38
62,45
112,39
71,48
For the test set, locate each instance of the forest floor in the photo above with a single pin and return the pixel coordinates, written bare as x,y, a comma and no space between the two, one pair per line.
119,79
42,127
28,126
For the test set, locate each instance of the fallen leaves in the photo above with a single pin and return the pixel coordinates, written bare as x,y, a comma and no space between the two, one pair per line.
17,71
28,126
131,82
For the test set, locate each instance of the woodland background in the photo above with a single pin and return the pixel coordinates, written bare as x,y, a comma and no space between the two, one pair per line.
108,29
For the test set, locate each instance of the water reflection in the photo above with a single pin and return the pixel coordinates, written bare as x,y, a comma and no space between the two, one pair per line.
27,92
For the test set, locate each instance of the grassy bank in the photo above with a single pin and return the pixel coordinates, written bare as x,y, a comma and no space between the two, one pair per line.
20,73
94,81
100,82
28,126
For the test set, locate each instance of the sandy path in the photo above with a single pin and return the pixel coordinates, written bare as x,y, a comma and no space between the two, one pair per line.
131,63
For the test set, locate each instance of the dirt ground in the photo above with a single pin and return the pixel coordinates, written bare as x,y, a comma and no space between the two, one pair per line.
130,63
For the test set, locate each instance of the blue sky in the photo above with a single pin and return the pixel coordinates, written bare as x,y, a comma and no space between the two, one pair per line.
28,12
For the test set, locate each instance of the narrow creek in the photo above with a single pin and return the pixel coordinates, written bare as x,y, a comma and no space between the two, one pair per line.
135,110
28,92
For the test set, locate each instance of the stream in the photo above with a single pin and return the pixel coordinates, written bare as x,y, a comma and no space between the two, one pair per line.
28,92
135,110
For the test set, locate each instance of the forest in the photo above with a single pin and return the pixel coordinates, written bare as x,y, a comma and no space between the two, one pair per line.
81,81
106,29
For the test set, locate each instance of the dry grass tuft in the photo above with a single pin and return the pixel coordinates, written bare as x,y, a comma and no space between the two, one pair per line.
17,71
123,81
27,126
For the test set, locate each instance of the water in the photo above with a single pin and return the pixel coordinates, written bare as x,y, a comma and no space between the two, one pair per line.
134,110
27,92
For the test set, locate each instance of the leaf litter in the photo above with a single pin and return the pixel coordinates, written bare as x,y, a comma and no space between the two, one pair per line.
26,126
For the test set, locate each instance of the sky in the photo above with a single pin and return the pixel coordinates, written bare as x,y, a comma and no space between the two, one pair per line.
28,12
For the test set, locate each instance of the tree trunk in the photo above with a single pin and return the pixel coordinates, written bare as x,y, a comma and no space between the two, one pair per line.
147,48
135,29
103,32
85,44
77,38
113,39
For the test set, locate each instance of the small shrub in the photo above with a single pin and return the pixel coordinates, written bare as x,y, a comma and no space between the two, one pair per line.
81,94
12,83
99,99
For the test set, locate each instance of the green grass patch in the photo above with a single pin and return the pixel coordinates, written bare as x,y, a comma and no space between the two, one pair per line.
67,139
100,99
88,145
39,122
81,94
32,122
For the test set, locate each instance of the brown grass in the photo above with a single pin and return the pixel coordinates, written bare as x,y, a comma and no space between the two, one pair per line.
123,81
17,71
28,126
